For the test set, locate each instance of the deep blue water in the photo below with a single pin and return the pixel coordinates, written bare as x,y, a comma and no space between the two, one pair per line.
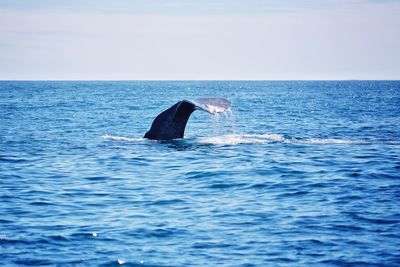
298,174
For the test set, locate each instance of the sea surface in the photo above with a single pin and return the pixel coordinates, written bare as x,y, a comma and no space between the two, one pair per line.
296,173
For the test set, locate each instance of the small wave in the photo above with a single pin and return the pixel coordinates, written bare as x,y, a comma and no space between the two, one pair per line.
12,159
321,141
122,138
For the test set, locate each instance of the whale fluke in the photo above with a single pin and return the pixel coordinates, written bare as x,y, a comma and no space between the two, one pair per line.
171,123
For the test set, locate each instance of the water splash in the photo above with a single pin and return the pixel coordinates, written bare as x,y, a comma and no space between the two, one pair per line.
214,109
223,123
231,121
216,124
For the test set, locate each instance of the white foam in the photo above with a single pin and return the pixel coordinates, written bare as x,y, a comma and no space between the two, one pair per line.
122,138
234,139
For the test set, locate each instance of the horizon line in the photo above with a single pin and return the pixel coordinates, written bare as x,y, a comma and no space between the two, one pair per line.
166,80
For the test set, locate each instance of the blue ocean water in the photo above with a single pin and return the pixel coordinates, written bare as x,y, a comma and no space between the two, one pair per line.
298,173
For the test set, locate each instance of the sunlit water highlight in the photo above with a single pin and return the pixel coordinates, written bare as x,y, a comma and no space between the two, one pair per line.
297,174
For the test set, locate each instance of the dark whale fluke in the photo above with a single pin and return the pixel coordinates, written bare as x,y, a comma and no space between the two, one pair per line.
171,123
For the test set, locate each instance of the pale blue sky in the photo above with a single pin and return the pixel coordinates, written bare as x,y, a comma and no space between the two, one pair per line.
185,39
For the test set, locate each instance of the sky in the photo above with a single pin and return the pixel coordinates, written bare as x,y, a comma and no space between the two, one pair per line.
199,40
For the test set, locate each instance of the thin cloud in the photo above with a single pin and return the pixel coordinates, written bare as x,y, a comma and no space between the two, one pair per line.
186,7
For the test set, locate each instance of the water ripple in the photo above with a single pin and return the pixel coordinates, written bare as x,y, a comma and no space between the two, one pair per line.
299,174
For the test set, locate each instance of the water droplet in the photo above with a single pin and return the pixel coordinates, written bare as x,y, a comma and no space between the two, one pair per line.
121,261
94,234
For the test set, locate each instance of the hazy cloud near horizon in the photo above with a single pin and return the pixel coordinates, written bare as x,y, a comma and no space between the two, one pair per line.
199,40
191,7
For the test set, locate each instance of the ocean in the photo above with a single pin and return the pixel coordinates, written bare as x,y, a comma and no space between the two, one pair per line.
296,173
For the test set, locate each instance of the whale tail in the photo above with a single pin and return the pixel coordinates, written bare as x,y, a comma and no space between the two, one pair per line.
171,123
